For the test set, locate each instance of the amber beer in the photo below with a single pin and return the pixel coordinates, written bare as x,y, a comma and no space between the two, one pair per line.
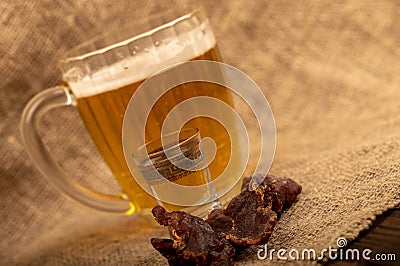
103,97
103,115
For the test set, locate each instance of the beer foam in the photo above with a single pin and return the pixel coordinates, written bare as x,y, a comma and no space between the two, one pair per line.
183,47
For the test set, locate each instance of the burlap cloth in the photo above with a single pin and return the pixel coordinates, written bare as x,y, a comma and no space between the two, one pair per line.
330,71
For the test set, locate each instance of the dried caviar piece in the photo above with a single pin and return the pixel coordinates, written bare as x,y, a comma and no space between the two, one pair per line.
251,216
195,242
219,221
286,189
279,192
166,248
253,223
249,221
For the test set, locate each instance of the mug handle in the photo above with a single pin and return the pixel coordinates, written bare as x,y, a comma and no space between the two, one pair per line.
41,103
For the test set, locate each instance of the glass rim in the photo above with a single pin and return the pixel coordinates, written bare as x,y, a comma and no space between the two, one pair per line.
72,54
151,155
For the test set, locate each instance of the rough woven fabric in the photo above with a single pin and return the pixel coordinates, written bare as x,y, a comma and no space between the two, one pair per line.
330,71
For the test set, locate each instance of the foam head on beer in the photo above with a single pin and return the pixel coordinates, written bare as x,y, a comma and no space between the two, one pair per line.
159,53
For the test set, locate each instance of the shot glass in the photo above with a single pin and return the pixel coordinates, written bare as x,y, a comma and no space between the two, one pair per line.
175,170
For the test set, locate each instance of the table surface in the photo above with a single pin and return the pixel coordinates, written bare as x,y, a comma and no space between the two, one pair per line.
382,238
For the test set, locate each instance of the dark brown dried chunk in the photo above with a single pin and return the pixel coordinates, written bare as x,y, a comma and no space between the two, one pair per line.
251,216
195,242
166,248
279,192
248,219
219,221
245,221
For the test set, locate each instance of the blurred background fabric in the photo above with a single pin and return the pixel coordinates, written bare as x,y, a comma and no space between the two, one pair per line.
329,69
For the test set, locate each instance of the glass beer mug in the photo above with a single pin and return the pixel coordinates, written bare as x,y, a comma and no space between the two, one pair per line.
99,78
